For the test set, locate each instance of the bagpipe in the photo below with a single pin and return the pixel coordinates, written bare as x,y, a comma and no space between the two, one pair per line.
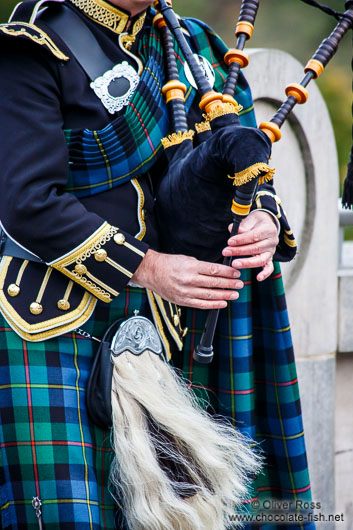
176,467
229,155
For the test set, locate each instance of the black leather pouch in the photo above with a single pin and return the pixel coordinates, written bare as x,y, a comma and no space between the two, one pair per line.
99,386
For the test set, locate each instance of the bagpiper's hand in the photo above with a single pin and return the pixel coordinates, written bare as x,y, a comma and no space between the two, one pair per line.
257,237
187,281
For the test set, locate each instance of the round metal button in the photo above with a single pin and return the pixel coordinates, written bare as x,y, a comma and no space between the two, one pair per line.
35,308
119,239
80,269
64,305
13,290
100,255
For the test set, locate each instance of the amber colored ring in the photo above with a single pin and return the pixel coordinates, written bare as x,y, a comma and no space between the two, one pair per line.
174,85
272,130
158,21
209,100
244,27
240,209
236,56
297,91
157,6
315,66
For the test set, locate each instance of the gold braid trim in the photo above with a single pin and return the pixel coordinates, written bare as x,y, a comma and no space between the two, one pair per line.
37,35
290,242
222,110
177,138
108,16
81,254
202,127
252,172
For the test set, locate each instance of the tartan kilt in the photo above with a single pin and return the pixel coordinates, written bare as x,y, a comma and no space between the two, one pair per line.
50,449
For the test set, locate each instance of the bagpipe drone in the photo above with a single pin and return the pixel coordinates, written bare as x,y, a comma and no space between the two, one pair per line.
176,467
229,155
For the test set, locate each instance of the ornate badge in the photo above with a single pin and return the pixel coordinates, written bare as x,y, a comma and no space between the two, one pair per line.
206,68
137,334
116,86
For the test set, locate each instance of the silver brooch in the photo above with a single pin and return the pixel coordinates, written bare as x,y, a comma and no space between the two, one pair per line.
137,334
116,86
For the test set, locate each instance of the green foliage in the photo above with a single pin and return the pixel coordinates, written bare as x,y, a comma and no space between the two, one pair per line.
6,7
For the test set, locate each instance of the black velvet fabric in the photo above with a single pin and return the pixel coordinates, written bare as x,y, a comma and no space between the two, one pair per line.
195,196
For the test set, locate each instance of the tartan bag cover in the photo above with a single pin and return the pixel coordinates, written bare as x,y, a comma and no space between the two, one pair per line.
50,450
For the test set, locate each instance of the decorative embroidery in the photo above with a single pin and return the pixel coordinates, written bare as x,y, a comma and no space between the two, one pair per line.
80,274
140,210
44,329
22,29
108,16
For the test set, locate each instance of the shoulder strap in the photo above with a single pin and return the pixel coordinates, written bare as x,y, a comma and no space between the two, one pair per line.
79,39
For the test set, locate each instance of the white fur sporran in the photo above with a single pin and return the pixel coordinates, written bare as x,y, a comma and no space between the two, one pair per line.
175,467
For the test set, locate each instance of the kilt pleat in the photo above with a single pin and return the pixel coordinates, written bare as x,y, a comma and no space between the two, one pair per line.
252,381
49,448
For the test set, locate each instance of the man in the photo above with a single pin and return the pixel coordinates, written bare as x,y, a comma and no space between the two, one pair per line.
78,215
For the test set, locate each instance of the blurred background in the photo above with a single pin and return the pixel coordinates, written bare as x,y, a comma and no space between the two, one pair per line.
291,26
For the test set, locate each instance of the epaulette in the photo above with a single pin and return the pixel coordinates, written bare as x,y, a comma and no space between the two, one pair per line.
22,25
35,34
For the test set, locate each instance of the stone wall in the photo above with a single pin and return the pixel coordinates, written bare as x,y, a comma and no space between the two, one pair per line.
307,181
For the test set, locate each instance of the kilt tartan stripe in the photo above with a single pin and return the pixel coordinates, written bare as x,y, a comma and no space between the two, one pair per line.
50,449
253,382
129,145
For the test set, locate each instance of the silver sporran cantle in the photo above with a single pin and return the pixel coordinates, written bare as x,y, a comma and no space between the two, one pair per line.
136,335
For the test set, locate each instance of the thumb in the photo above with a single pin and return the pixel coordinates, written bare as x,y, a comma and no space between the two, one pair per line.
247,224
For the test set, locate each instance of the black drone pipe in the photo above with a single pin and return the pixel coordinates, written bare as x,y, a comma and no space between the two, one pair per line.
221,110
297,92
237,59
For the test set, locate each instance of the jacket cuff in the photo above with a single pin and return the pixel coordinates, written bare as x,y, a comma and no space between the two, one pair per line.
104,263
275,220
270,202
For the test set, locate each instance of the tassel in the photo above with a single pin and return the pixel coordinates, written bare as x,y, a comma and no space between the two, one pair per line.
248,174
177,138
347,195
176,467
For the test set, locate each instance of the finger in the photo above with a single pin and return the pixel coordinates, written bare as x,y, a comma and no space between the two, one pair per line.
213,294
266,271
255,235
268,245
253,262
214,269
216,282
202,304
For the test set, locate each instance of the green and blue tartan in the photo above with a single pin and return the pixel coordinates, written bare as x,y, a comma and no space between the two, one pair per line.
49,448
128,146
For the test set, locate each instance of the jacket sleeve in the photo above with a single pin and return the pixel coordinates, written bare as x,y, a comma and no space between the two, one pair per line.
35,209
266,199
